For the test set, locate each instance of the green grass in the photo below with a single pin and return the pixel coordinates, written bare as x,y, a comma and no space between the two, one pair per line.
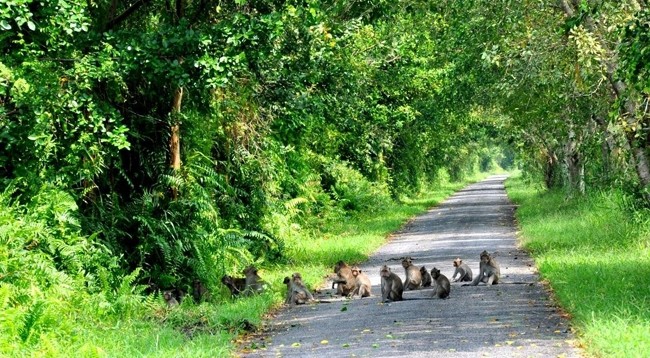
596,257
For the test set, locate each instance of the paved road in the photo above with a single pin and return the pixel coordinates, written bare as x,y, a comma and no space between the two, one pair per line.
505,320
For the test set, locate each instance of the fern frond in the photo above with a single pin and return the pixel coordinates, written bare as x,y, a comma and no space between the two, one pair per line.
34,313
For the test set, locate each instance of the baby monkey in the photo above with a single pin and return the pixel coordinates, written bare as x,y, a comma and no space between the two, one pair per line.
426,277
463,271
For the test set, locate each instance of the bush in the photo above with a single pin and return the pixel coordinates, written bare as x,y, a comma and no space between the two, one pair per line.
352,191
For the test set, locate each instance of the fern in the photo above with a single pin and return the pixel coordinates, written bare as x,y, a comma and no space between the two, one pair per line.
34,313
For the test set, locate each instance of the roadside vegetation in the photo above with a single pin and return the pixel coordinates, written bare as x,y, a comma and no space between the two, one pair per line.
594,251
64,319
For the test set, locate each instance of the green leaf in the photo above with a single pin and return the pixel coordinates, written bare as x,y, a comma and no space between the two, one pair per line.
5,25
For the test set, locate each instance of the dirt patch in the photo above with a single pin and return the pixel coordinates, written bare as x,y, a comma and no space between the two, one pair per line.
513,319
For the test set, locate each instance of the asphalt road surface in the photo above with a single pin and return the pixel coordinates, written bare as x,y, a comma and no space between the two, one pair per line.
515,318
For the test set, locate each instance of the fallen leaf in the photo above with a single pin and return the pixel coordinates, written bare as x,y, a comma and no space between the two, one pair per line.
324,341
346,345
375,345
295,344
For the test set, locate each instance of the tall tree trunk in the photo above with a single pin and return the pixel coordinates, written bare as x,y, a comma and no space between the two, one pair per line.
638,144
175,140
574,164
550,170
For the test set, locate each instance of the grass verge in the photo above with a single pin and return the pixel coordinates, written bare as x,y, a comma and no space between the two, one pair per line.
596,256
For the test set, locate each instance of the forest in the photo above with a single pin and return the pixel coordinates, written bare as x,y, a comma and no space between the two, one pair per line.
148,145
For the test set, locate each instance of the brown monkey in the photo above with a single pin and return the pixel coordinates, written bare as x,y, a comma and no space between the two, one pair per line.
170,299
199,291
413,278
344,278
441,286
426,277
362,282
236,285
489,271
297,292
254,283
462,270
391,285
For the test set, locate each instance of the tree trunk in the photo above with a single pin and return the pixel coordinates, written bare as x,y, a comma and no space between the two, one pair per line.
550,170
637,144
175,140
574,164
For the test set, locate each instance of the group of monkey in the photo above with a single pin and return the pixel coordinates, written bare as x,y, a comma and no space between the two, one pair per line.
353,281
250,284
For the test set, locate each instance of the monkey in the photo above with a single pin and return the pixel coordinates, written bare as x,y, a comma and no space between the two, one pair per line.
391,285
413,278
236,285
199,291
344,278
426,277
297,292
442,286
170,299
362,283
287,282
254,283
489,271
462,270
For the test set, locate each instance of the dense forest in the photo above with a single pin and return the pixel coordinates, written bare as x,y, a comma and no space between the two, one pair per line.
150,144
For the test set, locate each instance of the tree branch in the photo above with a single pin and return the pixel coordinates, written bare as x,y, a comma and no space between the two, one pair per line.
568,10
123,16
